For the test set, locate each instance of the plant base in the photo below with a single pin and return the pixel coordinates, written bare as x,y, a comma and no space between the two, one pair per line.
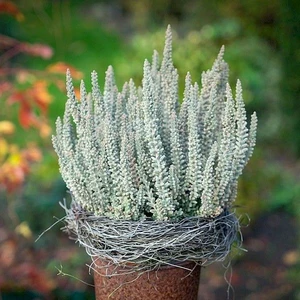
166,283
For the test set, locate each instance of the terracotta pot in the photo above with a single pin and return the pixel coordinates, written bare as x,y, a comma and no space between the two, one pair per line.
166,283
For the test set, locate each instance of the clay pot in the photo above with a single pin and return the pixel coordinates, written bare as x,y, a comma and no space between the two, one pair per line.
166,283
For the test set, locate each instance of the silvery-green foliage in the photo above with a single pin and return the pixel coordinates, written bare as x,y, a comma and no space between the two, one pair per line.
138,153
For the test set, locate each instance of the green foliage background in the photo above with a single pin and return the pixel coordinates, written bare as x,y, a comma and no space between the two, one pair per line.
262,48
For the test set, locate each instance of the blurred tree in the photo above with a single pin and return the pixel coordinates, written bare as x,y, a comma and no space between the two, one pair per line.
289,42
31,77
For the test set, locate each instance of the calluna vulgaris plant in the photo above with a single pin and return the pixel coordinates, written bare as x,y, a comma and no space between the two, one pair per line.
139,153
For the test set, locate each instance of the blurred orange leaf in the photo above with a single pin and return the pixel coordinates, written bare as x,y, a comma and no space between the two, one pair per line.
10,8
77,92
7,127
17,97
40,94
61,68
16,164
36,95
26,116
45,130
11,177
32,154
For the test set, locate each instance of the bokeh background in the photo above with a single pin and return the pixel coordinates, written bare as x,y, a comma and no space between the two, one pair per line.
40,39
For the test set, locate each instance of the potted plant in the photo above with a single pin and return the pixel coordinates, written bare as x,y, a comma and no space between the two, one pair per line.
153,181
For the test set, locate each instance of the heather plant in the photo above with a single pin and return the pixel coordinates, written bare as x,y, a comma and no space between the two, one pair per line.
141,153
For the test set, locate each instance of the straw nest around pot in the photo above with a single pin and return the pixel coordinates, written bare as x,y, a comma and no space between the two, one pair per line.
147,245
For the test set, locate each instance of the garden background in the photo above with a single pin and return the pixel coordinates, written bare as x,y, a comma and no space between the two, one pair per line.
40,39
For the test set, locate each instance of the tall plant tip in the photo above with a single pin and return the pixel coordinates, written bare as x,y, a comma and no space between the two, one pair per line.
221,53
